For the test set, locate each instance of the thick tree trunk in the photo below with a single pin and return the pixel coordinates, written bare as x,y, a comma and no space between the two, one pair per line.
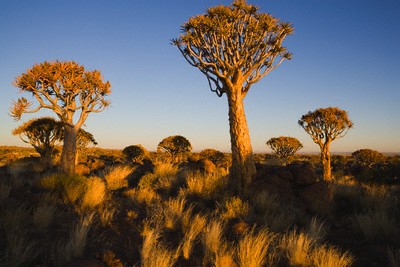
326,162
68,154
243,166
46,156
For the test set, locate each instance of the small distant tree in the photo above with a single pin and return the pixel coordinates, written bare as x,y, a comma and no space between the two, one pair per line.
217,157
368,157
284,147
70,91
43,134
175,146
325,125
234,47
135,153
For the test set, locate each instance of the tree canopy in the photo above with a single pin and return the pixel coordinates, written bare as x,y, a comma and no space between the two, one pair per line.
284,146
367,157
174,145
231,44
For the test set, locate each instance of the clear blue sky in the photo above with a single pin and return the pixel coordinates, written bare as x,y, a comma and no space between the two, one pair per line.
346,54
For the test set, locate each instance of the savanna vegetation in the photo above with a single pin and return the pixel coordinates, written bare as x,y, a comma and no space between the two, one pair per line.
176,207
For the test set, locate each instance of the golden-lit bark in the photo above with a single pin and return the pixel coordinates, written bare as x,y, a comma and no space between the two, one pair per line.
243,166
68,154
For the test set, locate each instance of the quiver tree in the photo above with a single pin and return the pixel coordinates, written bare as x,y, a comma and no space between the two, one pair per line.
43,134
234,47
367,157
68,90
135,153
325,125
284,147
174,146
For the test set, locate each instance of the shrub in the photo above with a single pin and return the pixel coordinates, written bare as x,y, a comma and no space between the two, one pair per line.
135,153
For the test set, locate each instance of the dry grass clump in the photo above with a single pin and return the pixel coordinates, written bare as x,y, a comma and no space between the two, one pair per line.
194,226
4,191
273,212
377,225
302,250
297,247
117,177
317,230
254,249
235,207
393,257
20,251
94,194
326,256
14,220
164,176
207,186
153,253
145,195
43,215
213,240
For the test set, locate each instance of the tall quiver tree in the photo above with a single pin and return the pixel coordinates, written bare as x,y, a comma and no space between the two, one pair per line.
234,47
325,125
69,90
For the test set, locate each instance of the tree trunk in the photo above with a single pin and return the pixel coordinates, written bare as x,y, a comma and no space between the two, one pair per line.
326,162
243,166
68,154
46,156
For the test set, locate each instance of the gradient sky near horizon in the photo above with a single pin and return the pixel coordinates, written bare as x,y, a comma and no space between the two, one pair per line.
346,54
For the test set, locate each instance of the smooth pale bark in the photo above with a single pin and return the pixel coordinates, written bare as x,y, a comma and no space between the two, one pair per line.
68,154
243,166
326,162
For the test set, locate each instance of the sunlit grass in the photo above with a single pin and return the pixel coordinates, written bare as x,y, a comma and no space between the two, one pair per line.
117,177
254,249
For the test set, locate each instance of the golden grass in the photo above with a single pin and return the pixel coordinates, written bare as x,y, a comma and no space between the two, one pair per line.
302,250
297,247
191,233
212,240
205,185
153,253
95,193
235,208
117,177
143,195
254,249
326,256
